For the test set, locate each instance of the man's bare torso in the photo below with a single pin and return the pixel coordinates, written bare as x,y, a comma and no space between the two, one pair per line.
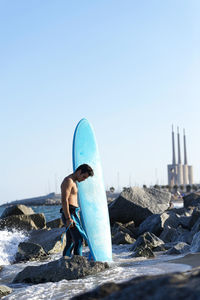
69,190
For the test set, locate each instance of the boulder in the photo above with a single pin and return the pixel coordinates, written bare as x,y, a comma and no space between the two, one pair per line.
194,217
122,238
49,240
63,268
184,236
29,251
17,210
119,227
136,204
157,222
57,223
24,222
193,199
195,246
171,286
169,234
147,240
179,248
4,290
143,252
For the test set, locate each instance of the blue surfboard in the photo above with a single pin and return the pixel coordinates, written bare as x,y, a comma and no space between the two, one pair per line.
91,193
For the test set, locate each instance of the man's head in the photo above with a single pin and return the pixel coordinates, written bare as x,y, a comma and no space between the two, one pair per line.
83,172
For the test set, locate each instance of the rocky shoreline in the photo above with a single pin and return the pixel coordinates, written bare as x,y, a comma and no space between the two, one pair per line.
141,218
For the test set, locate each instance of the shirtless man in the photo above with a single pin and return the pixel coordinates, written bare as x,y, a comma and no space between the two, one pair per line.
70,218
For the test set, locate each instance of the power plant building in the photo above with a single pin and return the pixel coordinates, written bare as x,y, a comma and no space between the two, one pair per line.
178,173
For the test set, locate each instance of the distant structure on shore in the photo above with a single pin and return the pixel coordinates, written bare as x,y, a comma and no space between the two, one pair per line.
178,173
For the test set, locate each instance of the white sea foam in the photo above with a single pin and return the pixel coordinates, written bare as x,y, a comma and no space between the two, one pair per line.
9,241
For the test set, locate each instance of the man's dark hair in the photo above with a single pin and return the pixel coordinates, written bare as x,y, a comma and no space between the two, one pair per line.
85,169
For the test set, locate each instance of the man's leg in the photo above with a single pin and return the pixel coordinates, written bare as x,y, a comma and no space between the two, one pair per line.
77,240
69,244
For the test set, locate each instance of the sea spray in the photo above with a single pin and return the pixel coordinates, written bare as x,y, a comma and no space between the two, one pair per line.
9,241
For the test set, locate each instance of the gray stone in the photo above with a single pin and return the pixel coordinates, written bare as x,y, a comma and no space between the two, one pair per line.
196,227
118,227
30,251
193,199
169,234
136,204
195,246
147,240
49,240
184,236
24,222
64,268
143,252
195,217
179,248
156,223
122,238
57,223
17,210
166,286
4,290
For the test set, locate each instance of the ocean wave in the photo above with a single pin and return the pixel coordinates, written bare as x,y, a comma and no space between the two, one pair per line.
9,241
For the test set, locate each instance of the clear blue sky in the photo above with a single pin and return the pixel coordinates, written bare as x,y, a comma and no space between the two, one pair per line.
131,67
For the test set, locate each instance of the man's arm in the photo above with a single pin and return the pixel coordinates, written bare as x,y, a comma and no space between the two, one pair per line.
66,191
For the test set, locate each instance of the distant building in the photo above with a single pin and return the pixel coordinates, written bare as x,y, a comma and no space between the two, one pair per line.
178,173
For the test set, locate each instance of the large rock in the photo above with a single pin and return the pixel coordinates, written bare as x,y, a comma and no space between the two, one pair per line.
50,240
145,244
118,227
195,246
30,251
136,204
122,238
167,286
169,234
4,290
17,210
195,217
147,240
157,222
179,248
57,223
192,199
24,222
64,268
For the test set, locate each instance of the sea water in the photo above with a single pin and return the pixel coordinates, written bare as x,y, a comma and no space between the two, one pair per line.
122,268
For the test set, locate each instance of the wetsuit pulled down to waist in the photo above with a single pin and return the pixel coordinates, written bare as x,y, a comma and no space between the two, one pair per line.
75,234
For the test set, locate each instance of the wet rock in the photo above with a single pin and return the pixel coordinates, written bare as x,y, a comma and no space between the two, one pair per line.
169,234
49,240
143,252
1,268
57,223
156,223
195,246
30,251
122,238
136,204
4,290
184,236
17,210
147,240
64,268
179,248
167,286
24,222
118,227
193,199
195,217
